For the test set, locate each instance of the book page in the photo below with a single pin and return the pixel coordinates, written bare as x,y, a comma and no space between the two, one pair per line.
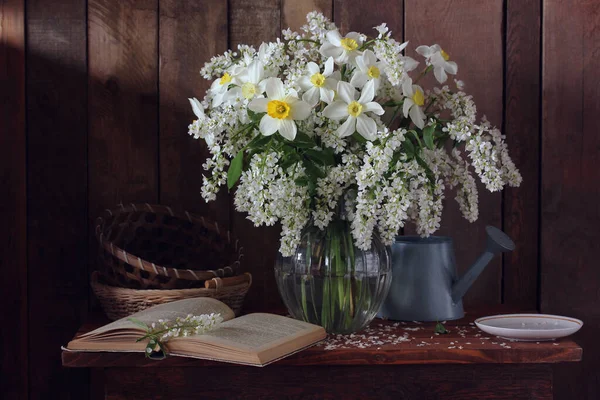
257,332
170,311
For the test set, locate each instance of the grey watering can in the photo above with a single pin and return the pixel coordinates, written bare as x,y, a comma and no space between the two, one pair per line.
425,284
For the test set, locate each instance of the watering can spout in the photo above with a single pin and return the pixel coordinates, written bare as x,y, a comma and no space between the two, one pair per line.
497,242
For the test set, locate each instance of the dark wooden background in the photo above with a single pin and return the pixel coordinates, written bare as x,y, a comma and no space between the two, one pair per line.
94,111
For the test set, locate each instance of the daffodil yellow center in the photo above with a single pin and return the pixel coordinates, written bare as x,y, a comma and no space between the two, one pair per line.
317,79
355,108
278,109
225,79
418,97
349,44
445,55
248,90
373,72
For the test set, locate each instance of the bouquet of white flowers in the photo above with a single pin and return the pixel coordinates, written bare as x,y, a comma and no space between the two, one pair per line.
317,124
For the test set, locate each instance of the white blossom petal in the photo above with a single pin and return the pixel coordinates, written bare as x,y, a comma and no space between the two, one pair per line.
425,51
197,107
327,95
259,105
255,71
451,67
408,103
346,92
331,83
334,38
312,95
440,74
305,83
368,92
417,116
328,67
336,110
362,64
299,109
275,90
330,50
269,125
373,107
366,127
407,89
359,79
287,129
313,68
355,36
347,128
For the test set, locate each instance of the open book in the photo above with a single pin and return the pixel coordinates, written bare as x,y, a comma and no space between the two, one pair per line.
253,339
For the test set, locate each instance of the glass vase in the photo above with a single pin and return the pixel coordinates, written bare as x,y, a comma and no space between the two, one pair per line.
332,283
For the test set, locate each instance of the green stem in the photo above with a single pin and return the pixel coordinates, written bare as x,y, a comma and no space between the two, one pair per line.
159,333
423,73
394,116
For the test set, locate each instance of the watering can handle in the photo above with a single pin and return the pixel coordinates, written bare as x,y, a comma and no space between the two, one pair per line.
497,242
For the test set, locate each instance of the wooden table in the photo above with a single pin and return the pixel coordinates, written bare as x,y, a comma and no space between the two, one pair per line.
387,360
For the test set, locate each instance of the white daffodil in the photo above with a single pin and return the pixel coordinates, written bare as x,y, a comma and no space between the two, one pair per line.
251,82
219,88
318,86
367,69
413,101
342,49
355,110
281,110
438,58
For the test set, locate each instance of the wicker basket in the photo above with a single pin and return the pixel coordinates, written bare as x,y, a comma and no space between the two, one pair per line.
145,246
118,302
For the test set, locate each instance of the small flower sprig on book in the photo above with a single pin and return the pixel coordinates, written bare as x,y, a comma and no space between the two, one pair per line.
158,333
323,122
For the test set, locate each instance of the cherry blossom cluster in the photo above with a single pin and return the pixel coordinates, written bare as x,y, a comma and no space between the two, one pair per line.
322,125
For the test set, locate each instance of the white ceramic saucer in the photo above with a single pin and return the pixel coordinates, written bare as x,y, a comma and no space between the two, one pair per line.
529,327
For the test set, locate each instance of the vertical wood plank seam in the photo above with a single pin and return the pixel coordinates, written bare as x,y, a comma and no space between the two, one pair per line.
231,206
540,157
26,228
87,177
503,202
158,66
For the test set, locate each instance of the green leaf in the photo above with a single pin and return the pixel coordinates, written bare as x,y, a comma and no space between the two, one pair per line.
255,116
301,145
302,140
441,329
322,157
428,170
428,136
409,148
258,142
290,159
358,137
416,136
235,169
302,181
313,171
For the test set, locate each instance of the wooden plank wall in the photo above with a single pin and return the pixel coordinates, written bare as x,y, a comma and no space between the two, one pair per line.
570,185
94,111
13,201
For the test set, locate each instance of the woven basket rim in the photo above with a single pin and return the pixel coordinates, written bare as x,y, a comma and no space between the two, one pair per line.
188,292
139,263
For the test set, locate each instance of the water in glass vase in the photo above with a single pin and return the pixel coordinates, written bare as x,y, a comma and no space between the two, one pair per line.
330,282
